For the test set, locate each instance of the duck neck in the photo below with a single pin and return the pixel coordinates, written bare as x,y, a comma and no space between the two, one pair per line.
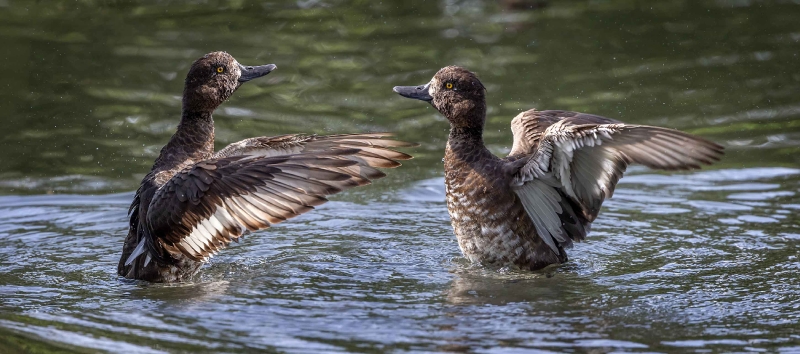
197,125
465,146
466,135
193,141
466,127
466,117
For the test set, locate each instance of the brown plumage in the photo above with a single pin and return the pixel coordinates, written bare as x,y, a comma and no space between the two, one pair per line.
524,209
194,202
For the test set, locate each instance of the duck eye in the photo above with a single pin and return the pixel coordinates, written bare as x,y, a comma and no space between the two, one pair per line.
220,69
449,85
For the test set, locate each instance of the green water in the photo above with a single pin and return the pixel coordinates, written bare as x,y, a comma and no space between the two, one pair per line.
699,261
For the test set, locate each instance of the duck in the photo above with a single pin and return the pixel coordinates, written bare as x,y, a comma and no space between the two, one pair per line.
194,201
523,210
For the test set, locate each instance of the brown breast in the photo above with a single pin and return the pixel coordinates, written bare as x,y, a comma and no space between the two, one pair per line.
488,220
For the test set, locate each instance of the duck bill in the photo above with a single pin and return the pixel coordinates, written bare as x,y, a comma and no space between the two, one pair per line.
254,72
421,92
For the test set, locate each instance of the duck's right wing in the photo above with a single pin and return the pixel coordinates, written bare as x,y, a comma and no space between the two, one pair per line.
575,166
375,149
203,208
529,127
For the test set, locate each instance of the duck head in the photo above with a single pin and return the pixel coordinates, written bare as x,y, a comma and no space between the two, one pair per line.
456,93
213,78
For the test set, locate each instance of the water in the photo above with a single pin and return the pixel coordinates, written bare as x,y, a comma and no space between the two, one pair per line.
698,261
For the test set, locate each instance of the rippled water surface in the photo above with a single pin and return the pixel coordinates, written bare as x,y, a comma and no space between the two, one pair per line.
698,261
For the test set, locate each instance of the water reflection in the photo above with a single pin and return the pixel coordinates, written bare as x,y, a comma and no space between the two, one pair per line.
475,285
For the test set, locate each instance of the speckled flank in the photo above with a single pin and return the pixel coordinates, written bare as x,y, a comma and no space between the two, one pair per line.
489,222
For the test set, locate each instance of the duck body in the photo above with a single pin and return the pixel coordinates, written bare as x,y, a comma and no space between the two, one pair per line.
525,209
489,222
192,142
194,202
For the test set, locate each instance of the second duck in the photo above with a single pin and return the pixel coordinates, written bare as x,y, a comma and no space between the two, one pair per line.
524,209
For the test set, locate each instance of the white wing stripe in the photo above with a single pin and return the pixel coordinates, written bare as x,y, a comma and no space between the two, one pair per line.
201,239
214,222
208,233
191,243
206,237
222,216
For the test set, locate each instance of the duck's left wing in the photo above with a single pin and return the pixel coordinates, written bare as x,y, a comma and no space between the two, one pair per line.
529,127
374,150
374,143
203,208
574,166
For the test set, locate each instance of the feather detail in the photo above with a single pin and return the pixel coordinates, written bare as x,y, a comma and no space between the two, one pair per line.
584,162
253,184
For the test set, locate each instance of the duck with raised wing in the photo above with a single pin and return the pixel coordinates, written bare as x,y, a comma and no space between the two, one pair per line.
525,209
194,201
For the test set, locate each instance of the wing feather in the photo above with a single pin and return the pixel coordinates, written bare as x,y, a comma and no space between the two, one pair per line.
257,183
576,162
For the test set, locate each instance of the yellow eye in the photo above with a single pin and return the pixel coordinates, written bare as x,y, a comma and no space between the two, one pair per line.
220,69
449,85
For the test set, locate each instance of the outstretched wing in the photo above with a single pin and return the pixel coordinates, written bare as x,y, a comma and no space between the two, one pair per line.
528,127
375,150
575,166
203,208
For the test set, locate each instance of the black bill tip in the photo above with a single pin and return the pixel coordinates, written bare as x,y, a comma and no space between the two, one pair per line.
420,92
254,72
